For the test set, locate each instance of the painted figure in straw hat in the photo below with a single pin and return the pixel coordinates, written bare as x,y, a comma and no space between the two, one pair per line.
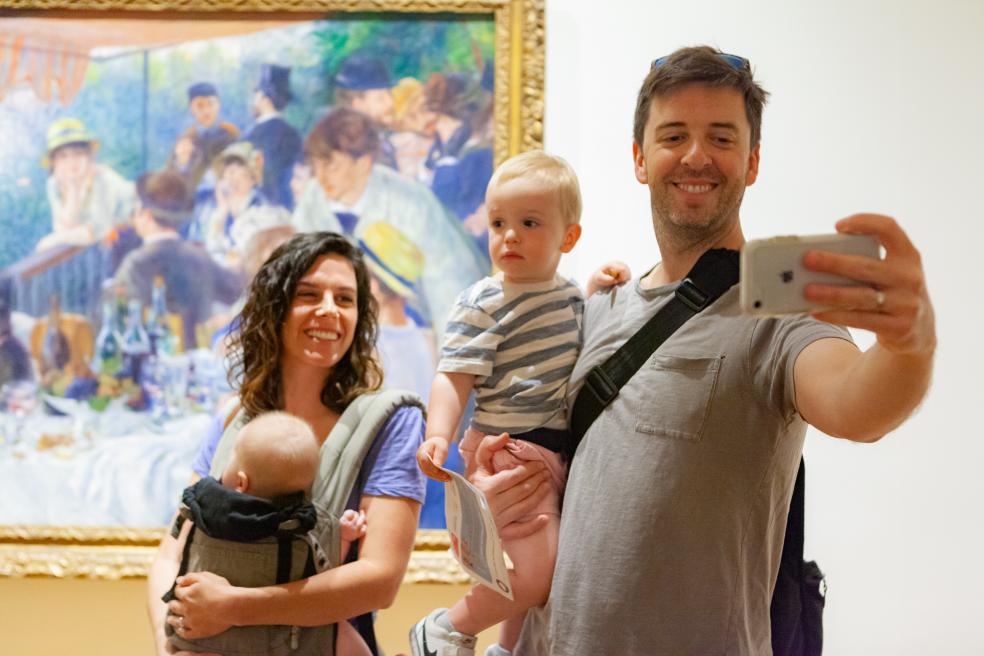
279,142
414,126
192,279
87,199
406,349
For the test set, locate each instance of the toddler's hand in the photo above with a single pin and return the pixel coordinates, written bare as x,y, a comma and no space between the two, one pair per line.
432,453
610,274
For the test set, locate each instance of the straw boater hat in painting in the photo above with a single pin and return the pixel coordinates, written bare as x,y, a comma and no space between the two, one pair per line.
393,258
66,132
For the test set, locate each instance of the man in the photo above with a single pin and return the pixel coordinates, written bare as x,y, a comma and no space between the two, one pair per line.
674,512
88,200
200,144
363,84
192,279
350,191
279,142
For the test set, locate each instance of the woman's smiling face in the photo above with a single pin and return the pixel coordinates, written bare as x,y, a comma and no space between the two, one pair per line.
322,318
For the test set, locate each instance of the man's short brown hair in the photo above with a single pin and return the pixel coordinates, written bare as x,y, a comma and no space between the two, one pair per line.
342,130
700,65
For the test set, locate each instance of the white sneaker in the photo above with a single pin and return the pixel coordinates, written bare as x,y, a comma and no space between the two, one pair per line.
496,649
428,638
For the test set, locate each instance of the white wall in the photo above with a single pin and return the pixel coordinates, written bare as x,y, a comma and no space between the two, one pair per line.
877,106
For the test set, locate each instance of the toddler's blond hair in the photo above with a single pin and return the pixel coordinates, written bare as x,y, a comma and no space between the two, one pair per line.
551,171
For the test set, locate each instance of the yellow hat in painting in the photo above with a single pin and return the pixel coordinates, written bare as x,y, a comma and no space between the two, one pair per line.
66,131
406,92
393,258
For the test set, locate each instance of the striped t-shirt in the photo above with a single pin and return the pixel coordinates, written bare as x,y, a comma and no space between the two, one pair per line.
521,341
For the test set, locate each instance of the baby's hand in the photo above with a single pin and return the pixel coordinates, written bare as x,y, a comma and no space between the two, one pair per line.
353,525
610,274
431,454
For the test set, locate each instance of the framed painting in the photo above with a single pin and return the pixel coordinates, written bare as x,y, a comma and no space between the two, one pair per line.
111,372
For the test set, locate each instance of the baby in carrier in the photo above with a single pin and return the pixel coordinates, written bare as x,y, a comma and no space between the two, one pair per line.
253,527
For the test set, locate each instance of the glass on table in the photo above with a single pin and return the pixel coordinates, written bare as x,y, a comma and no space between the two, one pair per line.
19,399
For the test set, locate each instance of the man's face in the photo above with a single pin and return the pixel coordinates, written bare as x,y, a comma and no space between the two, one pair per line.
696,160
377,104
205,109
341,176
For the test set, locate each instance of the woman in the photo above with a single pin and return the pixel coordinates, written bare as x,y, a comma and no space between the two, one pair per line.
305,346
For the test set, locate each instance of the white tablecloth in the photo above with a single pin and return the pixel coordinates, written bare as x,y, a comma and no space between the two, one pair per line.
129,474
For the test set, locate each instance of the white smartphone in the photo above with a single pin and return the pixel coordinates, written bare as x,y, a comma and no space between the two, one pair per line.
773,277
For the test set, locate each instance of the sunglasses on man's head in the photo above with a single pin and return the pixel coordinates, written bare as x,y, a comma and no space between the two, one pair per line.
734,61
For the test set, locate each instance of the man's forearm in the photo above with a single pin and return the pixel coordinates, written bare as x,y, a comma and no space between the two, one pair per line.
871,393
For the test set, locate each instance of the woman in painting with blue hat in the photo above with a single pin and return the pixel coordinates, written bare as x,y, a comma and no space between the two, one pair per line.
87,199
279,142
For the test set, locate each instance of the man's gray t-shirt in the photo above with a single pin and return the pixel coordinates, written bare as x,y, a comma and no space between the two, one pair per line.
673,518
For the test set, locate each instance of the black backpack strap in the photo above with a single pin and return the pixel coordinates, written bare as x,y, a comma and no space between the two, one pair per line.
793,541
787,610
714,273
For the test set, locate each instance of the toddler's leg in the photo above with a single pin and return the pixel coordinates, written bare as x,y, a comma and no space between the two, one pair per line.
510,630
349,642
533,561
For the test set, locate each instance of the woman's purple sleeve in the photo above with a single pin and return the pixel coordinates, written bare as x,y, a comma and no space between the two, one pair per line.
203,460
393,470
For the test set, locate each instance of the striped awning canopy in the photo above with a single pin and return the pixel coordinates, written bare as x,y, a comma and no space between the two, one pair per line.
51,55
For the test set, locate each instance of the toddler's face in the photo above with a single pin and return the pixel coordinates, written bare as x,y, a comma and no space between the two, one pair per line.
527,233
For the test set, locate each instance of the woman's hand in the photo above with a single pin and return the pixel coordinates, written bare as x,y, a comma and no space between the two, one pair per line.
201,607
512,493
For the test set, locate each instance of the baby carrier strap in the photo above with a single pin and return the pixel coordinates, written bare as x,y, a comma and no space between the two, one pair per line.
235,419
346,447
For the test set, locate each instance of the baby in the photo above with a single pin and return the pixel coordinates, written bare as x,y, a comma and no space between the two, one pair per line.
274,460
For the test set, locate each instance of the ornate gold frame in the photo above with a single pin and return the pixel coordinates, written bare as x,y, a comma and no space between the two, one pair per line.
114,553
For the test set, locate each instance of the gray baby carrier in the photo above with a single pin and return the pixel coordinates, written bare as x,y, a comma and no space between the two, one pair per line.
258,562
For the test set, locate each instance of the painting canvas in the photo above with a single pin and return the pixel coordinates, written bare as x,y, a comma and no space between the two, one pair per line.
113,326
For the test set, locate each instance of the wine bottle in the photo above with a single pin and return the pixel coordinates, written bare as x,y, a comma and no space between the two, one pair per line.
158,329
55,352
136,342
109,353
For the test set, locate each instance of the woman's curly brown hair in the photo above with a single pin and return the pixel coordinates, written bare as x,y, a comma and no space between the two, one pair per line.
256,346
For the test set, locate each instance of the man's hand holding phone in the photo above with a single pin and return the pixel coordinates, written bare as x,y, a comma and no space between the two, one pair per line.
893,303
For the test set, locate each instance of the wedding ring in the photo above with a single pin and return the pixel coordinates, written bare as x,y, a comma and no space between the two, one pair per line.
181,623
879,301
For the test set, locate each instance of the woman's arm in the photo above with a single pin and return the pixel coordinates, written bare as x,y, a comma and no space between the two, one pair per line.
161,576
210,605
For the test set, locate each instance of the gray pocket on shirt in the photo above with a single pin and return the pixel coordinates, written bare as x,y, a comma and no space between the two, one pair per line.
679,396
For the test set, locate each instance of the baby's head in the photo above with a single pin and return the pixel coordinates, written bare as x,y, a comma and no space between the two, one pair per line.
275,454
533,203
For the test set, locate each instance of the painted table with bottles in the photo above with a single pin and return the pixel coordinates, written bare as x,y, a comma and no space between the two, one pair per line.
106,460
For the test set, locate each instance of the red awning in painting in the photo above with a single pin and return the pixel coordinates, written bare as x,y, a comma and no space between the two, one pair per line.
51,55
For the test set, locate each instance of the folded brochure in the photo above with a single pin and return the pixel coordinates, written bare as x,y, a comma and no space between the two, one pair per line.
474,539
